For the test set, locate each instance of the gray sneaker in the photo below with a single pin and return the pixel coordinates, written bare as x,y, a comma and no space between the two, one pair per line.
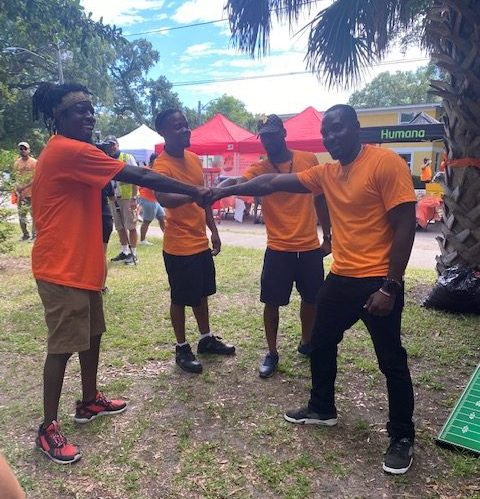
399,456
306,416
130,259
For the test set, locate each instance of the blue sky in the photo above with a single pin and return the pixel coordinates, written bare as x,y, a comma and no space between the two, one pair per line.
205,53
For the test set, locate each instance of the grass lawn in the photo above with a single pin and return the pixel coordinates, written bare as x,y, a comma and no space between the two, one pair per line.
221,434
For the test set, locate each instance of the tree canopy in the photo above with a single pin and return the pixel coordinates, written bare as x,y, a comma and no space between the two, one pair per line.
34,35
397,89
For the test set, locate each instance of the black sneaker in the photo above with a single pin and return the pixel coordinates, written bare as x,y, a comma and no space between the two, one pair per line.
304,349
186,360
25,237
130,260
306,416
215,345
269,365
399,456
120,257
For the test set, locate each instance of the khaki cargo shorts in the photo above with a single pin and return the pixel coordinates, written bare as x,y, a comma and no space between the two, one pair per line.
127,218
72,315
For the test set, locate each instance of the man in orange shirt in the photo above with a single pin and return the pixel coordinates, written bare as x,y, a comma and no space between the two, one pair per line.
426,171
186,252
293,253
66,196
371,201
23,169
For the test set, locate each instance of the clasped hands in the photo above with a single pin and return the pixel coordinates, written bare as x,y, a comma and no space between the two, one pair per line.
206,196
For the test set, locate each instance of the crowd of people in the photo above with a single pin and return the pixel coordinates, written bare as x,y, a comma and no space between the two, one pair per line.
364,200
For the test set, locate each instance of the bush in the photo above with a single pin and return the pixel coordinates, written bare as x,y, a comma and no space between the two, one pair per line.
6,228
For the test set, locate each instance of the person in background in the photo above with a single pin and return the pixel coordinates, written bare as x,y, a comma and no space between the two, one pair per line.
66,200
426,171
23,170
186,252
124,208
151,209
293,253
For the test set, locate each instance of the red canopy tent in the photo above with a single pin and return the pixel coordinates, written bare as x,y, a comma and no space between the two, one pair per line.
218,136
303,133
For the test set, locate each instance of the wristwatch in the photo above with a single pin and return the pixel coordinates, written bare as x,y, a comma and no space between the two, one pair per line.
391,286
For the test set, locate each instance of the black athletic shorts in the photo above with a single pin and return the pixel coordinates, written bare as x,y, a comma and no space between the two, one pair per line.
107,226
283,268
191,277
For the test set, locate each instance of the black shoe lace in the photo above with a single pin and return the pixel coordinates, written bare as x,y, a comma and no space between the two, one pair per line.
102,399
57,438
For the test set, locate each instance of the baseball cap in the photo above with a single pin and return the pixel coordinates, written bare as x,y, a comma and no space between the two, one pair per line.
24,144
111,138
271,124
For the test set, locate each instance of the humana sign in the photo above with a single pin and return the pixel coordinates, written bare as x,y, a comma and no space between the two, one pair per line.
386,134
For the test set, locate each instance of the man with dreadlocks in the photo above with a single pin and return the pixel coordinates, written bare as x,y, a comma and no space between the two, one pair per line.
66,201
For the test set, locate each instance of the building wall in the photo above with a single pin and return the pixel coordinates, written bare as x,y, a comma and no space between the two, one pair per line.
413,152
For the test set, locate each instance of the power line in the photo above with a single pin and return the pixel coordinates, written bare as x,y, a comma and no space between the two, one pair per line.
160,30
193,25
276,75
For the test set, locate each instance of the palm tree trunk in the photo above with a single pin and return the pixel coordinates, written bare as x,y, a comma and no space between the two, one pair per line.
453,35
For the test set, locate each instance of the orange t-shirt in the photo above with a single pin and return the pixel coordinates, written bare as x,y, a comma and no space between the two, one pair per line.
185,226
290,219
359,197
24,172
66,203
146,193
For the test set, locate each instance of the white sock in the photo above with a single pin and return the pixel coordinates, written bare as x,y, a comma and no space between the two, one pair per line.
134,251
205,335
182,344
125,249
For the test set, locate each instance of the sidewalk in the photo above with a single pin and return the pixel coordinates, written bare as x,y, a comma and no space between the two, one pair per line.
249,235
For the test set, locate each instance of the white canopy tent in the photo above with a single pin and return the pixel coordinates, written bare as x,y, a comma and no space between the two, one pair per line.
140,143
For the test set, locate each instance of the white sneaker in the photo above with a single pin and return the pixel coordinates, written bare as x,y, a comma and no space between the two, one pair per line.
146,243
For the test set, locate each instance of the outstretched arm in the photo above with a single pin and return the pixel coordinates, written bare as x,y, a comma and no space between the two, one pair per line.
263,185
157,182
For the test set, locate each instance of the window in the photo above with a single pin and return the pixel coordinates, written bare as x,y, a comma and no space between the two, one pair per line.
406,117
408,159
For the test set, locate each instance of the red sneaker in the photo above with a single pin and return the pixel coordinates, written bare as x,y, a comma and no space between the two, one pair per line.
55,446
101,406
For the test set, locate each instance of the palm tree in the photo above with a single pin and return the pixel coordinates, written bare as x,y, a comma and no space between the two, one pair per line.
350,35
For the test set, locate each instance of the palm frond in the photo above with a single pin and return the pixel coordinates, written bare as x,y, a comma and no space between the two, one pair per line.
251,21
350,35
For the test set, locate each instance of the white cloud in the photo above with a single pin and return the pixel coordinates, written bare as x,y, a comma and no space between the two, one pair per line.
199,10
289,94
121,12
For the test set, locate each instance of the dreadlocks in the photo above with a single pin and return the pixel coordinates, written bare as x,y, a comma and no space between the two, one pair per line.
48,97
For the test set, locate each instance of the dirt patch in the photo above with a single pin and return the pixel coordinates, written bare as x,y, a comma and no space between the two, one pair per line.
11,265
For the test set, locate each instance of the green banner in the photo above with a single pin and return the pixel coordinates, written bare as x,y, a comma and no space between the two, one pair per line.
462,428
401,133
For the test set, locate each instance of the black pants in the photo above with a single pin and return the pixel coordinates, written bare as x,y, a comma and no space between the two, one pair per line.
340,306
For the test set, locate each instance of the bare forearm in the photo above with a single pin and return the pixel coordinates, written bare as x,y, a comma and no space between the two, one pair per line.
231,181
155,181
210,221
323,215
172,200
403,236
267,184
